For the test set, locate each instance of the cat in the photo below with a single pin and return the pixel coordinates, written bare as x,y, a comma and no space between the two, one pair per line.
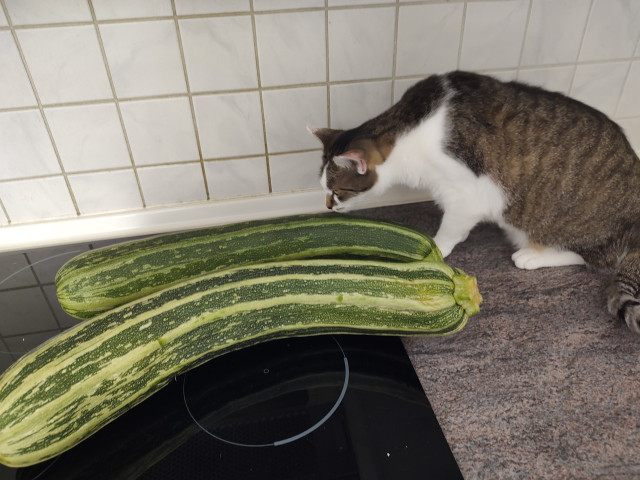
559,177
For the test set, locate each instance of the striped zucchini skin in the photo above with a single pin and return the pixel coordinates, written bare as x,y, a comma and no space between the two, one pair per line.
99,280
77,382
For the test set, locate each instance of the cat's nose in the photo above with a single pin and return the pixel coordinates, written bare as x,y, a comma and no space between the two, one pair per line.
329,202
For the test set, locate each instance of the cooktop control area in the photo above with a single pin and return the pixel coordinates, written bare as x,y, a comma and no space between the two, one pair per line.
325,407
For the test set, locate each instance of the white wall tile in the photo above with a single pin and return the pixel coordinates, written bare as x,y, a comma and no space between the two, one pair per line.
16,90
160,131
637,52
219,53
66,63
599,85
612,31
28,311
116,9
352,104
144,58
229,125
31,12
263,5
555,31
195,7
503,75
358,36
88,137
556,79
428,38
25,147
630,101
493,34
295,171
401,86
3,218
37,199
3,19
288,112
631,127
171,184
291,48
237,178
105,191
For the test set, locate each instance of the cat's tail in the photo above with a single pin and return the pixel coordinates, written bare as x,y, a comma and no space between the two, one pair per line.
624,292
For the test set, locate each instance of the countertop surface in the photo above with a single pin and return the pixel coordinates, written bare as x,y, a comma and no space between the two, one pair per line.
543,383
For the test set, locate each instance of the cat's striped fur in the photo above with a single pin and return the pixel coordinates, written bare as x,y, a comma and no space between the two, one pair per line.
558,176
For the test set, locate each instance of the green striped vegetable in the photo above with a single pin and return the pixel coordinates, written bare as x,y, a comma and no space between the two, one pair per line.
77,382
99,280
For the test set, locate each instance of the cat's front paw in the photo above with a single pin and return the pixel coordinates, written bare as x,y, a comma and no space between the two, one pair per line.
533,258
445,247
526,258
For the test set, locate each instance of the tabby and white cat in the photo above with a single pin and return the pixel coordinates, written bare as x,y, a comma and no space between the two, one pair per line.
558,176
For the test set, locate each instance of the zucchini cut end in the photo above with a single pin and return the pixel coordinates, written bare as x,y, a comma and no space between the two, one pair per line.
466,293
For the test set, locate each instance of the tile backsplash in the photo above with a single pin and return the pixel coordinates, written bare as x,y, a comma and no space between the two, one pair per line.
123,105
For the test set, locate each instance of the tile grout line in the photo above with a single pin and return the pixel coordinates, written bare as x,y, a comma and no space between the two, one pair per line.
622,89
626,78
461,40
524,39
116,101
394,62
190,97
42,114
5,212
584,34
3,209
160,165
236,13
260,96
327,67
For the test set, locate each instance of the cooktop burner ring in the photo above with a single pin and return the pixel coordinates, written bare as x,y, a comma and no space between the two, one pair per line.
289,439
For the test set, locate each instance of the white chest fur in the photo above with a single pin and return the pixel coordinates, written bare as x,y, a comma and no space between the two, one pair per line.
419,160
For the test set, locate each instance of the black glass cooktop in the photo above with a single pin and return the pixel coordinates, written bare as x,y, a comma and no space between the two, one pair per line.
326,407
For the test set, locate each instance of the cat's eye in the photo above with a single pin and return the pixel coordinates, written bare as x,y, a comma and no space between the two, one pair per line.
337,192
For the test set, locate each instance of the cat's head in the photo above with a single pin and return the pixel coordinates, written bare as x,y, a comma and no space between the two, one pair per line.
348,172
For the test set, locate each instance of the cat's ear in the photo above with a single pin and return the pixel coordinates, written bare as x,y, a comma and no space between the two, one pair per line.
352,159
325,135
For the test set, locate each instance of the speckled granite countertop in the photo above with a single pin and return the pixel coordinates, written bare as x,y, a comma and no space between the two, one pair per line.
542,383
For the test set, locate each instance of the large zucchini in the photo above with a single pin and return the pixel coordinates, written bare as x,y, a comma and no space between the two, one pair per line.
77,382
101,279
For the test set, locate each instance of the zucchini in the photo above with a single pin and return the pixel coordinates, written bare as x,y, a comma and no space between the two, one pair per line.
75,383
101,279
